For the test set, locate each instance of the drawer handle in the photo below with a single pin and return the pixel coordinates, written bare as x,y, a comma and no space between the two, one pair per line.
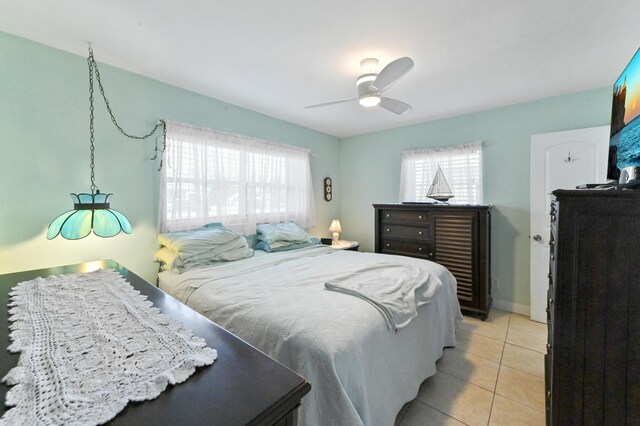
387,229
388,245
387,215
548,346
419,232
419,217
419,248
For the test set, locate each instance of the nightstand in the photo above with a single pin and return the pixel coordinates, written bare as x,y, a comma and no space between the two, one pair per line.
346,245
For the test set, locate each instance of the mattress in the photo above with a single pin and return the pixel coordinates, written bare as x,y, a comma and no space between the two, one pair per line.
361,372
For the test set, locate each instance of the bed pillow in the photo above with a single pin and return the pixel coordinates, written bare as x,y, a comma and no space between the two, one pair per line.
174,240
168,259
212,225
165,238
285,245
206,246
283,231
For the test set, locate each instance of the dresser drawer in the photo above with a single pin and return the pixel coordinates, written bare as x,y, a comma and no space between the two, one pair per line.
403,231
408,248
404,216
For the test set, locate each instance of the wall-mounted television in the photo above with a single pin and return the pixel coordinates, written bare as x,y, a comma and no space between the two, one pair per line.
624,144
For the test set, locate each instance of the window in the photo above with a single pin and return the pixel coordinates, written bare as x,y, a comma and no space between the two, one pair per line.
461,165
210,176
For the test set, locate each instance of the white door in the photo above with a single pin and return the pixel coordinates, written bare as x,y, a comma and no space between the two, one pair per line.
561,160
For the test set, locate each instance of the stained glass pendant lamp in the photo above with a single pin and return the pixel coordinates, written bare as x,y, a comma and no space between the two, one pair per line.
92,212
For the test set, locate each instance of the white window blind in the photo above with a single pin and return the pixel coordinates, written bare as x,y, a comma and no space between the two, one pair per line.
461,165
211,176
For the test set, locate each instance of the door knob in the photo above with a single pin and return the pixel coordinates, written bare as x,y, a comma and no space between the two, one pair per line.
537,237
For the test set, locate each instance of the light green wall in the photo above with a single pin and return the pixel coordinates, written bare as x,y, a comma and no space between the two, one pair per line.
370,172
44,153
44,157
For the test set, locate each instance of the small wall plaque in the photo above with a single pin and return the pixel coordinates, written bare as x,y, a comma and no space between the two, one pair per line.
328,190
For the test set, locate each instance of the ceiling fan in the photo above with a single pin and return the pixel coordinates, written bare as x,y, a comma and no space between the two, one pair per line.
371,85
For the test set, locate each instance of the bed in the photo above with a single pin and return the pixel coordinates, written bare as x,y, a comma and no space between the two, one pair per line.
361,371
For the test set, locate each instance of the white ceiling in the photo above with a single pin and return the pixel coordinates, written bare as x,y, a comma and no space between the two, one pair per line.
275,57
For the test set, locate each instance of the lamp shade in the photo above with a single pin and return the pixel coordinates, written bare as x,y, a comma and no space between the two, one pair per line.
90,212
369,100
335,226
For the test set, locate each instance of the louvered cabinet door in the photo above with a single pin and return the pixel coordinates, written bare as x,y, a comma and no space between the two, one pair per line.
455,241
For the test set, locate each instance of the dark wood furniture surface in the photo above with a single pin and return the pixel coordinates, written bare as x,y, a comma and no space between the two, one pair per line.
592,363
242,387
455,236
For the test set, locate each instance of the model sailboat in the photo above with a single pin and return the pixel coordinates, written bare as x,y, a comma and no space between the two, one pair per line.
440,190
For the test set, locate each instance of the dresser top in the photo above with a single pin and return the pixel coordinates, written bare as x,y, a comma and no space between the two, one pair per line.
613,193
411,204
243,386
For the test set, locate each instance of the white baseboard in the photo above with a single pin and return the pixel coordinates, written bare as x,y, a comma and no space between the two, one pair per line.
512,307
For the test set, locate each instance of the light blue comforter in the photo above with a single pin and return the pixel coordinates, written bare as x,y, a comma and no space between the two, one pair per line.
395,290
360,372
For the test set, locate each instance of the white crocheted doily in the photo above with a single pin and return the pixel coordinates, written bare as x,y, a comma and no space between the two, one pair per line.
89,344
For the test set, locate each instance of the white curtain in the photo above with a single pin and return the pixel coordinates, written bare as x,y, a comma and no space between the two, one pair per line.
211,176
461,165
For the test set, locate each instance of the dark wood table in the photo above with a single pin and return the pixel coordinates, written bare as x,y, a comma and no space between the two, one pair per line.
242,387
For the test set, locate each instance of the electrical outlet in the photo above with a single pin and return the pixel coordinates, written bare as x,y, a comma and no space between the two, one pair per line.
495,283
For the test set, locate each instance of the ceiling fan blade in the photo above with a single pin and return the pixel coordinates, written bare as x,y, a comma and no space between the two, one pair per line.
397,107
393,72
331,103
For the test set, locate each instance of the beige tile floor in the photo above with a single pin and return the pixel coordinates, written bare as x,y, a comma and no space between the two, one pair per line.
494,376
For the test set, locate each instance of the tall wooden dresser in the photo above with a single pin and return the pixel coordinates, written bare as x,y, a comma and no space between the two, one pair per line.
456,236
593,352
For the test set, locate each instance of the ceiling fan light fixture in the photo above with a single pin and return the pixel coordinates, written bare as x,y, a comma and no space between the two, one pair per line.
373,84
366,78
370,100
369,65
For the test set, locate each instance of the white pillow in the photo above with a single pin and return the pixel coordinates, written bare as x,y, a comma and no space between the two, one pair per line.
168,258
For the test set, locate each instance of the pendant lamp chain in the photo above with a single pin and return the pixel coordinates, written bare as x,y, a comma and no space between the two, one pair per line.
92,138
93,68
93,212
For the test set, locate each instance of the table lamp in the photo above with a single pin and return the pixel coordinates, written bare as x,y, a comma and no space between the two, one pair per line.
336,229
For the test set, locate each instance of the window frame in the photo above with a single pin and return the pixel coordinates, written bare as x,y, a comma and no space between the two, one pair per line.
461,164
276,177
